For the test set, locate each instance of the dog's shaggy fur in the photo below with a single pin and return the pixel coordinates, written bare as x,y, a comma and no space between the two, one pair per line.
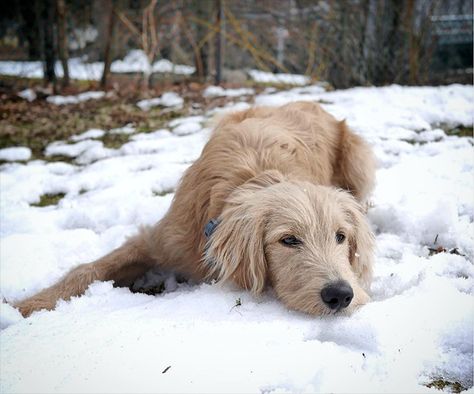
268,175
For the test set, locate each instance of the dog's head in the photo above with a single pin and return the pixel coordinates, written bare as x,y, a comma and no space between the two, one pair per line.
311,243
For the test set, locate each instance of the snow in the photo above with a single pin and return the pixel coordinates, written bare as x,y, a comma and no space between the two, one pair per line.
92,133
230,107
218,91
137,61
28,94
168,99
127,129
187,125
418,327
71,150
278,78
79,68
79,98
15,154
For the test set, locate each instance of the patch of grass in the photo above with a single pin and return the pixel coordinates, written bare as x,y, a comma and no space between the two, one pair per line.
49,199
18,82
415,142
39,123
13,162
321,101
158,119
440,384
114,141
460,130
57,158
162,193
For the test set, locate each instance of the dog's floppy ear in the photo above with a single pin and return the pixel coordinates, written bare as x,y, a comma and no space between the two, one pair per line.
361,242
235,251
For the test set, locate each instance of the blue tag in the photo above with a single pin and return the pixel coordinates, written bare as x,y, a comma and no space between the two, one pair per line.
210,227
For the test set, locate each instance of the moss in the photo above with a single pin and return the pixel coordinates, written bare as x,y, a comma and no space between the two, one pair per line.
440,384
49,199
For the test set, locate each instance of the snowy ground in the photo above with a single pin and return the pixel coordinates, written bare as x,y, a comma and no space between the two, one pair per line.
79,68
135,61
417,329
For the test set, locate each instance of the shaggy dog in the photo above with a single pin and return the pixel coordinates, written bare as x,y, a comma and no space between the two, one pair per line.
276,199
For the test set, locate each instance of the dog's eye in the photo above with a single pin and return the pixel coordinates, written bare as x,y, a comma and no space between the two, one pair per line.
340,237
290,241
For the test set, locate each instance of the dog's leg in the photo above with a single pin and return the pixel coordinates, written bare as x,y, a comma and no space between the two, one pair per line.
124,264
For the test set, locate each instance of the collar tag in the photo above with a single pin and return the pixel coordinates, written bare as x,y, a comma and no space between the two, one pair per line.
210,227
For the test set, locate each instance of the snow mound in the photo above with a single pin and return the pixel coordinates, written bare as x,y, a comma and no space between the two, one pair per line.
280,78
28,94
15,154
92,133
137,61
218,91
79,68
128,129
79,98
168,99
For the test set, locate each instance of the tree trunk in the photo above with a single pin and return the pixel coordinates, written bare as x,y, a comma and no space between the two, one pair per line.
394,44
413,54
46,11
29,28
108,44
369,49
62,40
201,55
219,24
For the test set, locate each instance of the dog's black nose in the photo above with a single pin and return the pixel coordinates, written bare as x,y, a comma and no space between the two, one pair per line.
337,295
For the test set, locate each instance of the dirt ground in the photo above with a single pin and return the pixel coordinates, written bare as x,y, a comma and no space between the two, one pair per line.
36,124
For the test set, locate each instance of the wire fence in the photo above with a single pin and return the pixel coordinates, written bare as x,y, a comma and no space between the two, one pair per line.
346,43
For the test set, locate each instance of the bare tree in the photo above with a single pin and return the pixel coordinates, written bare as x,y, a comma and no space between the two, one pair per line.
219,24
62,40
108,43
45,15
147,34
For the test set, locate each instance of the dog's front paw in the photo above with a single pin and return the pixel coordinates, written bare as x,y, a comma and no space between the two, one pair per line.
30,305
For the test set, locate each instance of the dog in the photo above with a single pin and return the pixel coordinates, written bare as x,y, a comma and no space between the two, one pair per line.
276,199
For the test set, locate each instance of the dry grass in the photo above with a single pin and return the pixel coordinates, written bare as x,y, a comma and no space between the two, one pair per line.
36,124
444,385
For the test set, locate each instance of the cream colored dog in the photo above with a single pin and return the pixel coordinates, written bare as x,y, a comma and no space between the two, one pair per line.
276,199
